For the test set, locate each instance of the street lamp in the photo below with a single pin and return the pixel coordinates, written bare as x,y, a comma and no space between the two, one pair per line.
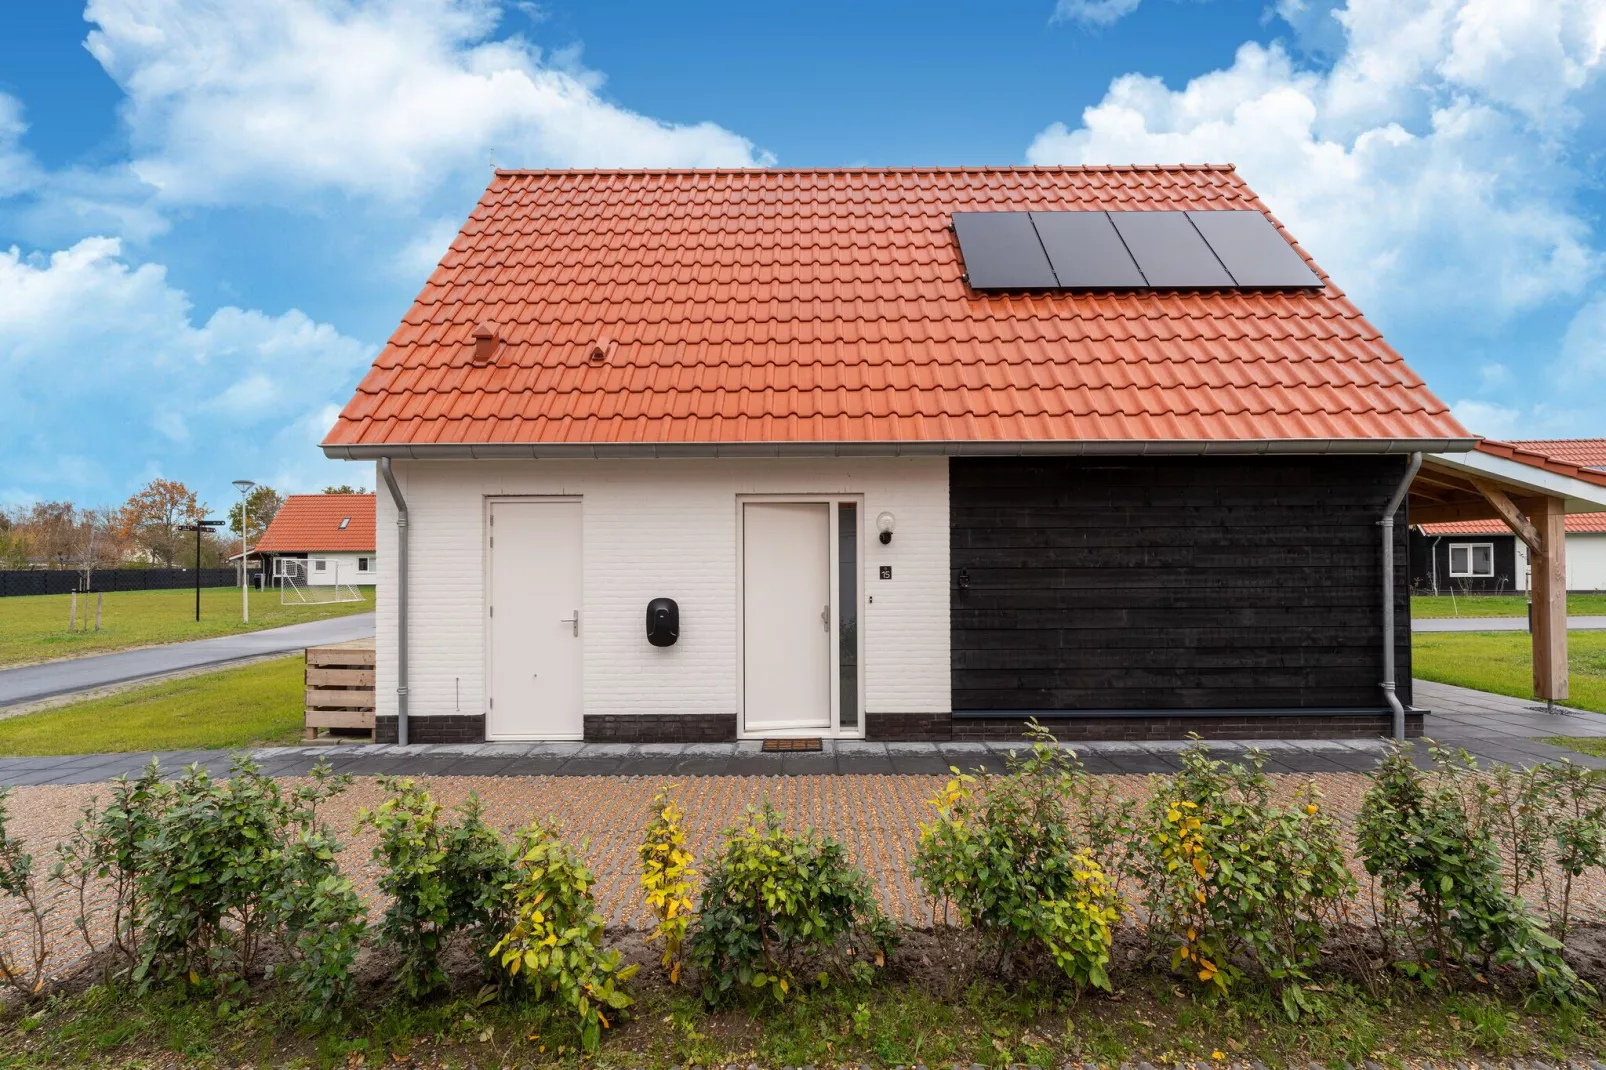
244,487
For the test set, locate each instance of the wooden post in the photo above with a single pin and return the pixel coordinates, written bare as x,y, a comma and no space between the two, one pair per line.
72,615
1548,589
99,599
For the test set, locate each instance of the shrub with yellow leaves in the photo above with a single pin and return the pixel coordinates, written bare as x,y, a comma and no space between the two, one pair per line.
555,945
1229,876
666,876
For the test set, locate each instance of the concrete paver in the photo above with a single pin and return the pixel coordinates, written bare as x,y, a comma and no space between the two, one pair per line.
1493,727
33,682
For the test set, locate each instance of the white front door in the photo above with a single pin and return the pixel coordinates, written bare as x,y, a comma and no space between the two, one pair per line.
533,595
786,616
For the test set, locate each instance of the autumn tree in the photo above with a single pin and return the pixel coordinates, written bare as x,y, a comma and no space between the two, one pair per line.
262,504
150,519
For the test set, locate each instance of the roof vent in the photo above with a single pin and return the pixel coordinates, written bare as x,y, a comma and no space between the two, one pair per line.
602,350
484,343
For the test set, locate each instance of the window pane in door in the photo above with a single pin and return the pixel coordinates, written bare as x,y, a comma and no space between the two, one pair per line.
848,611
1483,560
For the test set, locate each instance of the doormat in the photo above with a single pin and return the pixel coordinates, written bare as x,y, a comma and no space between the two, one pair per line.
772,745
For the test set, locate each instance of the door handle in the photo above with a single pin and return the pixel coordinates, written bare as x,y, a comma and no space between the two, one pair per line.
574,620
825,619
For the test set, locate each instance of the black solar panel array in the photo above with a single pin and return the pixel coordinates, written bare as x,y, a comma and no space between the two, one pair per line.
1128,251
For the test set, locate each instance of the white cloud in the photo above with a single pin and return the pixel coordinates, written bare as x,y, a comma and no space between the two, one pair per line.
1583,354
1094,12
18,171
388,98
102,358
1414,190
1488,419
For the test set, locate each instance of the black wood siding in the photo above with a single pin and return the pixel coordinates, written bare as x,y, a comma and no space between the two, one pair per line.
1426,547
1172,583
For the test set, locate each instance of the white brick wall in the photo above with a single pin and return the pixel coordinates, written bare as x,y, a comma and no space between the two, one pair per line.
661,527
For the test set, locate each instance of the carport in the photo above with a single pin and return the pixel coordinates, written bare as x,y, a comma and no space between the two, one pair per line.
1530,493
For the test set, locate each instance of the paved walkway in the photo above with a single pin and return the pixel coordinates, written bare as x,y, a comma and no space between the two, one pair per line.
1491,726
34,682
1499,624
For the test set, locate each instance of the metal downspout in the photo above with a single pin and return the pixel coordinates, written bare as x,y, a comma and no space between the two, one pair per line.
1387,524
401,600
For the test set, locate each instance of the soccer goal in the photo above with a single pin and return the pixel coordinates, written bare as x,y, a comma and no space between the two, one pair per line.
297,585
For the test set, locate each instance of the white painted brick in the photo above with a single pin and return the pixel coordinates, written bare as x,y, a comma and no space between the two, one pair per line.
655,527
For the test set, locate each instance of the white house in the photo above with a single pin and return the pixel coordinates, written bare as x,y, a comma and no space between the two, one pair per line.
897,454
321,540
1477,555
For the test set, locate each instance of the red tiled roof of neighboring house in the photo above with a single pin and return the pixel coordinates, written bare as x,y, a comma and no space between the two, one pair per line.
1584,452
309,522
1576,523
829,306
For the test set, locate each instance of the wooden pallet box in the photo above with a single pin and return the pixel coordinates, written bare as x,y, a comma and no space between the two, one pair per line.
340,687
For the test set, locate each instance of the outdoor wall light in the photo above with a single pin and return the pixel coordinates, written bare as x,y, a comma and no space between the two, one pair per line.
884,524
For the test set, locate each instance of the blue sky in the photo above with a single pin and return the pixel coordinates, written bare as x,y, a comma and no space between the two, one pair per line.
212,214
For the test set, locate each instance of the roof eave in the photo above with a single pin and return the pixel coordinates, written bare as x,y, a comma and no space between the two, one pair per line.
1056,448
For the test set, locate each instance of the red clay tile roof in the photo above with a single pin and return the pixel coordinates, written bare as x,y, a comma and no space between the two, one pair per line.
783,306
308,522
1586,452
1547,462
1577,524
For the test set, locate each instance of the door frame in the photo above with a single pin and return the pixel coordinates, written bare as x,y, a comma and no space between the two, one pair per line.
833,585
486,534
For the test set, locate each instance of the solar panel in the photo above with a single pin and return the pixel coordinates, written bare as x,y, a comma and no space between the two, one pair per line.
1253,250
1169,251
1086,252
1002,252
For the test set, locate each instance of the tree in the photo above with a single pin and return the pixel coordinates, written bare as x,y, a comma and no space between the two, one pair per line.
345,488
263,504
151,516
52,532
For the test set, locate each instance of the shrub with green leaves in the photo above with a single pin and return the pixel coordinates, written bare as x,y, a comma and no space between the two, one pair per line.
1427,842
1229,875
1549,824
554,945
778,903
23,971
441,878
1007,854
211,872
103,853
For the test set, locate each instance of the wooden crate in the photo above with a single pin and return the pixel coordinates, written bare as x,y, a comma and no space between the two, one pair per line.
340,687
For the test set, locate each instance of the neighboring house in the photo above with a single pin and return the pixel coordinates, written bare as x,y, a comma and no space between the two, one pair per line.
898,481
321,540
1479,556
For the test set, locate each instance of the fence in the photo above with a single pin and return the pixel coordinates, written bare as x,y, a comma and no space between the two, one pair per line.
65,581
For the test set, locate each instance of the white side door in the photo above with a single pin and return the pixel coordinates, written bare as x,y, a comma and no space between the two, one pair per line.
786,616
533,594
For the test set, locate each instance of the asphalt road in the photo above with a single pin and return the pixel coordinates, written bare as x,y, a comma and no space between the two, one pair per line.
1498,624
34,682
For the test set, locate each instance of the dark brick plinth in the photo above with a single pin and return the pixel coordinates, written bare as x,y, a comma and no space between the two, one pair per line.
660,728
433,729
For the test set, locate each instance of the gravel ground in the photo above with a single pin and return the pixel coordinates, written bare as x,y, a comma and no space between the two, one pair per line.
876,817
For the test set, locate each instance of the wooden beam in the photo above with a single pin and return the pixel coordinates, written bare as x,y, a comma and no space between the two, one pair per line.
1547,585
1507,510
1451,512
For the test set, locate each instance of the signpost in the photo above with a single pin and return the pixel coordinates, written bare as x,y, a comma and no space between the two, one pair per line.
198,527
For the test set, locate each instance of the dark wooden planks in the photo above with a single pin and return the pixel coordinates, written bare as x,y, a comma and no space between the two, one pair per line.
1171,583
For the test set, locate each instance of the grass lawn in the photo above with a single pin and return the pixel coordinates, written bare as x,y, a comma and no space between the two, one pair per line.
1502,662
1594,745
898,1023
34,627
1506,605
258,704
